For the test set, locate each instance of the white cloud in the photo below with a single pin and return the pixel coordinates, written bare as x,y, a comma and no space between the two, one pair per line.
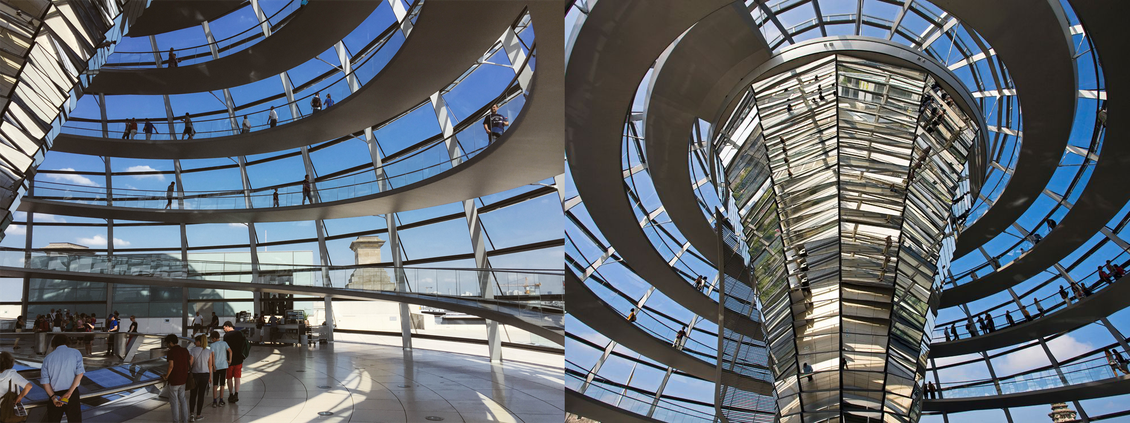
70,179
100,241
145,168
1033,357
16,230
238,225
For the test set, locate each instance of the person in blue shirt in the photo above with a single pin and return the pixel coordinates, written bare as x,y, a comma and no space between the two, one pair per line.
495,123
113,330
149,129
329,101
60,375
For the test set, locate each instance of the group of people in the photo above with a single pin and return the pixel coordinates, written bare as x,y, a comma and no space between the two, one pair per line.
932,390
198,324
211,363
63,321
1108,273
131,129
316,102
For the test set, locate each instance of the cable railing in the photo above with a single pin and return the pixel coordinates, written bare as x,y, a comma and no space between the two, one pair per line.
364,68
360,183
521,292
1090,370
203,53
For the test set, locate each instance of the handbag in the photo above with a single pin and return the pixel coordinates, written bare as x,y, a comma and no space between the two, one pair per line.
8,407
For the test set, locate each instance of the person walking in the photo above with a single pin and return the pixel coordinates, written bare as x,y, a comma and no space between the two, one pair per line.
172,62
60,376
1103,276
1116,271
132,327
1008,317
329,101
221,356
180,361
989,321
132,128
306,191
202,367
806,369
275,197
113,331
632,315
273,117
1063,294
246,125
169,194
189,130
235,341
495,123
197,324
149,129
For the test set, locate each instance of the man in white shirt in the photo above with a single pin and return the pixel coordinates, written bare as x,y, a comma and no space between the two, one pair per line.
197,324
273,119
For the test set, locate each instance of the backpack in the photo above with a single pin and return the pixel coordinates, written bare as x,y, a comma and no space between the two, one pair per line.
246,347
8,407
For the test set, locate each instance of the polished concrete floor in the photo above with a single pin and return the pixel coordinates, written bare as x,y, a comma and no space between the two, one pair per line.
363,378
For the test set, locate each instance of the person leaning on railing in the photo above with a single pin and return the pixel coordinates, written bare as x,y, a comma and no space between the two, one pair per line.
9,378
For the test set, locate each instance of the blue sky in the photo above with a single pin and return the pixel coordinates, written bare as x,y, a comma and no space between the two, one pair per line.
531,221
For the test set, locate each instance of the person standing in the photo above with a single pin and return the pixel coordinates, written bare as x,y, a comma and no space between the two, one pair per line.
197,324
132,327
60,375
172,62
246,125
329,101
273,117
189,131
20,323
679,337
495,123
316,103
132,128
149,129
113,331
202,368
179,363
9,378
57,323
169,194
235,340
88,326
276,197
221,356
215,324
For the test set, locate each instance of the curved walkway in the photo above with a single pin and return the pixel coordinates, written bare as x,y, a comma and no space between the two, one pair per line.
586,406
528,152
612,52
1106,192
682,89
368,379
313,29
170,15
1039,56
539,321
1079,391
430,59
594,312
1078,314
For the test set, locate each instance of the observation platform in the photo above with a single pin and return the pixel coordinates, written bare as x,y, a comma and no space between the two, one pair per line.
1078,314
1040,59
597,96
449,290
594,312
1105,193
310,31
1074,392
431,58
